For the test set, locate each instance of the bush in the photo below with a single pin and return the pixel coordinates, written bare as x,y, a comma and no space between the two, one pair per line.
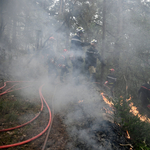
139,130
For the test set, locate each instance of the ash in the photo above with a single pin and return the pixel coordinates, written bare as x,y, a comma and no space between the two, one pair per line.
89,127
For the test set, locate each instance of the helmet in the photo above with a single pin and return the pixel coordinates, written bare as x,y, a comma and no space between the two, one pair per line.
80,30
148,82
65,50
106,82
148,106
51,38
112,70
94,41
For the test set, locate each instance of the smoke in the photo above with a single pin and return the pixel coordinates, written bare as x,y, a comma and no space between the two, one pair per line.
79,105
81,109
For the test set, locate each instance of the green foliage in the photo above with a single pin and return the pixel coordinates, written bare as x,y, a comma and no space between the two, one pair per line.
141,146
139,130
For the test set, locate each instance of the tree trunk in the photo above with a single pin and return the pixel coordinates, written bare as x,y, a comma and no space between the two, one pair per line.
119,33
61,7
14,35
14,23
38,40
103,39
1,19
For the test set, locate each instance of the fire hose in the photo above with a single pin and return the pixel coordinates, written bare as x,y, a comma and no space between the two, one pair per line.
42,100
7,91
48,132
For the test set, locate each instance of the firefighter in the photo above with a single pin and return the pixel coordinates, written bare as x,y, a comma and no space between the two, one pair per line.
91,57
111,81
77,51
51,59
63,64
144,94
49,48
52,67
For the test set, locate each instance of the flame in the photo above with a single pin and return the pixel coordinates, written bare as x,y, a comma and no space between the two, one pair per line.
128,135
110,103
108,111
128,99
121,102
135,112
133,109
80,101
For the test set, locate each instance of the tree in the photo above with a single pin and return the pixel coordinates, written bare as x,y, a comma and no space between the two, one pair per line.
103,38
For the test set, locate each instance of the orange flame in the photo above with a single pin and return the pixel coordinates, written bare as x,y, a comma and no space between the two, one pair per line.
135,112
128,135
80,101
128,99
108,111
133,109
110,103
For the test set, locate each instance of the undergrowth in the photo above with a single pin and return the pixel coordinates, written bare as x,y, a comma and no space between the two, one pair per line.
139,130
11,107
15,110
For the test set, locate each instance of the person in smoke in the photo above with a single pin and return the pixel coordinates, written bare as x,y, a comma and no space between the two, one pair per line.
52,67
63,64
49,49
76,49
51,60
91,57
144,95
111,81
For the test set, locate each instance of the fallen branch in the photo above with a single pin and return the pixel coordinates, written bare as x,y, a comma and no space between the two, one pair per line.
127,145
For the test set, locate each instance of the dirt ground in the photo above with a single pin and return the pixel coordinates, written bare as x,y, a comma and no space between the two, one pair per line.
58,138
15,109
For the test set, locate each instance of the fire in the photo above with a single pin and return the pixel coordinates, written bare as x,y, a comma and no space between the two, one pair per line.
80,101
121,102
135,112
128,99
110,103
128,135
107,110
133,109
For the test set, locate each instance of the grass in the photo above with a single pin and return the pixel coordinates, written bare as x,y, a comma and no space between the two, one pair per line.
11,117
12,107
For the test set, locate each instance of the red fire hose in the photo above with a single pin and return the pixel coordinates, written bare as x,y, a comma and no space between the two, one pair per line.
35,137
8,90
26,122
21,124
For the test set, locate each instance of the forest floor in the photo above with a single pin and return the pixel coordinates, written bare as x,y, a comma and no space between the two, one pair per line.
16,110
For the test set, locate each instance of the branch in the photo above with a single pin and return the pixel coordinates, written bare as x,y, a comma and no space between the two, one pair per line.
126,84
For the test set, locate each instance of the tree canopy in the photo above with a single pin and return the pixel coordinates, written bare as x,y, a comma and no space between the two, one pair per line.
121,28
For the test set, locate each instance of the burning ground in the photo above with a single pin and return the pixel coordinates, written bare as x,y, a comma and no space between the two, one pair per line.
89,120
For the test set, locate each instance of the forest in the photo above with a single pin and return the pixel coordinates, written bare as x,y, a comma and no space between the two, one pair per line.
121,27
